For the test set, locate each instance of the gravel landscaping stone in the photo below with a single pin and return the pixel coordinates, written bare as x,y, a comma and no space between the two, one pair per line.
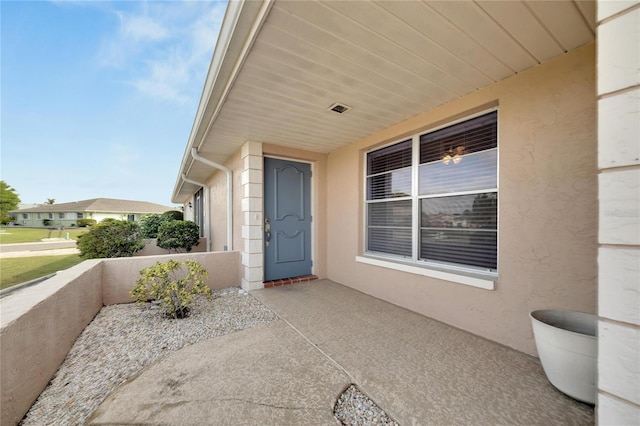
355,408
123,339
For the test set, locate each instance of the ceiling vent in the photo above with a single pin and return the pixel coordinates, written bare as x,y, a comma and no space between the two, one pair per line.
339,108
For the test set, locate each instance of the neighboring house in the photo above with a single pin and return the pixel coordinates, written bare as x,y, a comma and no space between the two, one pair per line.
454,158
68,214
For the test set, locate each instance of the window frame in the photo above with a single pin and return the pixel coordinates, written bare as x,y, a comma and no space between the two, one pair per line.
463,274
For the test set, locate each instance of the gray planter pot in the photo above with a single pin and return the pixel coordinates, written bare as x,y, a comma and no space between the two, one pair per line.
568,349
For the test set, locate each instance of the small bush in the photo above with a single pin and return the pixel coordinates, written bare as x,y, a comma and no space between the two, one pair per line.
173,284
150,223
110,238
173,215
83,223
178,235
46,222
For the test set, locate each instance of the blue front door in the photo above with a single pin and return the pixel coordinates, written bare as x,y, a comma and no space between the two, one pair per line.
287,219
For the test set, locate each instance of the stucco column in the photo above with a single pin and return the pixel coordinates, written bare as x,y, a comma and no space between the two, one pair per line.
619,212
252,214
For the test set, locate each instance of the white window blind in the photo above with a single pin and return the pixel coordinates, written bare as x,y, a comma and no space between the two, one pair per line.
456,218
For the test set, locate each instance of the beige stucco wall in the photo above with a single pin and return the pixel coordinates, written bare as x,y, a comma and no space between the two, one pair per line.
120,275
547,206
39,325
217,184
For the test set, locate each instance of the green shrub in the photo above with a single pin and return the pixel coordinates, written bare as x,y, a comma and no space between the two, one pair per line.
150,223
173,215
46,222
83,223
110,238
173,284
178,235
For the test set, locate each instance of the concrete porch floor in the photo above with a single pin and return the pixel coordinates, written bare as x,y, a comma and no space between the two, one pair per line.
291,371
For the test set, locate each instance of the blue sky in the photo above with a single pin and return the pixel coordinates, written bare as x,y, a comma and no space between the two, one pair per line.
98,98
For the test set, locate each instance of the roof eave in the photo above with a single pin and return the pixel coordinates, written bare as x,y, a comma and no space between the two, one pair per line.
240,26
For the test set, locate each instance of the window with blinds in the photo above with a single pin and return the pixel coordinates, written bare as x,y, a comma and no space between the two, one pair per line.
455,219
389,213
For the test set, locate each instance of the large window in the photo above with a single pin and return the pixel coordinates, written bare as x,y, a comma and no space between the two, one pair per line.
433,199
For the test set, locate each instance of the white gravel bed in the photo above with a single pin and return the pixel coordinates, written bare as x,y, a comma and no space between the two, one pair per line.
355,408
123,339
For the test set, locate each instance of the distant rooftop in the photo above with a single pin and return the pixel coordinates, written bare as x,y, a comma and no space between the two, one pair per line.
104,205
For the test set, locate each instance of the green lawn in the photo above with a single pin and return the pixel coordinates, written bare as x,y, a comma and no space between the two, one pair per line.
22,269
16,234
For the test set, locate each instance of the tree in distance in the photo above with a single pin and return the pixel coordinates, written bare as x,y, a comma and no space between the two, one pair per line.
9,200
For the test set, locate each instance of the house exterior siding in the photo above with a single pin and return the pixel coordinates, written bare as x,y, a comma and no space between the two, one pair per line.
619,212
547,211
568,197
547,215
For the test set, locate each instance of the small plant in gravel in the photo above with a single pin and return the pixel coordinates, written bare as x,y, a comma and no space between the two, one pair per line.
173,284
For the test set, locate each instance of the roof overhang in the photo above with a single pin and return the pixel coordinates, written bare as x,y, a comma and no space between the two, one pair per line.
279,67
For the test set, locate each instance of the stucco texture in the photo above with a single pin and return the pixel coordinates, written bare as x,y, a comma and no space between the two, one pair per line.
39,325
547,206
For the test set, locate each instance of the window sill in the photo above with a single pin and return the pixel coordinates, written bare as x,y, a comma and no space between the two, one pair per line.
487,283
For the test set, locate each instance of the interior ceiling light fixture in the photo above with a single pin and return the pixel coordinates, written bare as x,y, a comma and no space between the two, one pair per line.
454,154
339,108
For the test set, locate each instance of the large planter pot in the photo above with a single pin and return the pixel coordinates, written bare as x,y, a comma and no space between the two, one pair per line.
567,346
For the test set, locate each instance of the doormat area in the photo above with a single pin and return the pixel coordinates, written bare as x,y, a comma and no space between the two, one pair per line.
287,281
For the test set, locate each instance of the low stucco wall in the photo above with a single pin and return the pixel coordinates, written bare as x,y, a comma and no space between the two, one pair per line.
120,275
39,326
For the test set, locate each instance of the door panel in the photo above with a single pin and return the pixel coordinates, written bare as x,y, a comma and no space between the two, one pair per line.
287,203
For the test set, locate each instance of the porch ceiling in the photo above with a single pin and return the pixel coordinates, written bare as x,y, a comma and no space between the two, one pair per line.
388,61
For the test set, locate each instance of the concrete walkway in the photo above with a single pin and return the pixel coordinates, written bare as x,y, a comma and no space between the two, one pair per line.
55,247
291,371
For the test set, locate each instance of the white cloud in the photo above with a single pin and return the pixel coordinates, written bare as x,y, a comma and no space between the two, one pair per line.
165,77
164,48
141,28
